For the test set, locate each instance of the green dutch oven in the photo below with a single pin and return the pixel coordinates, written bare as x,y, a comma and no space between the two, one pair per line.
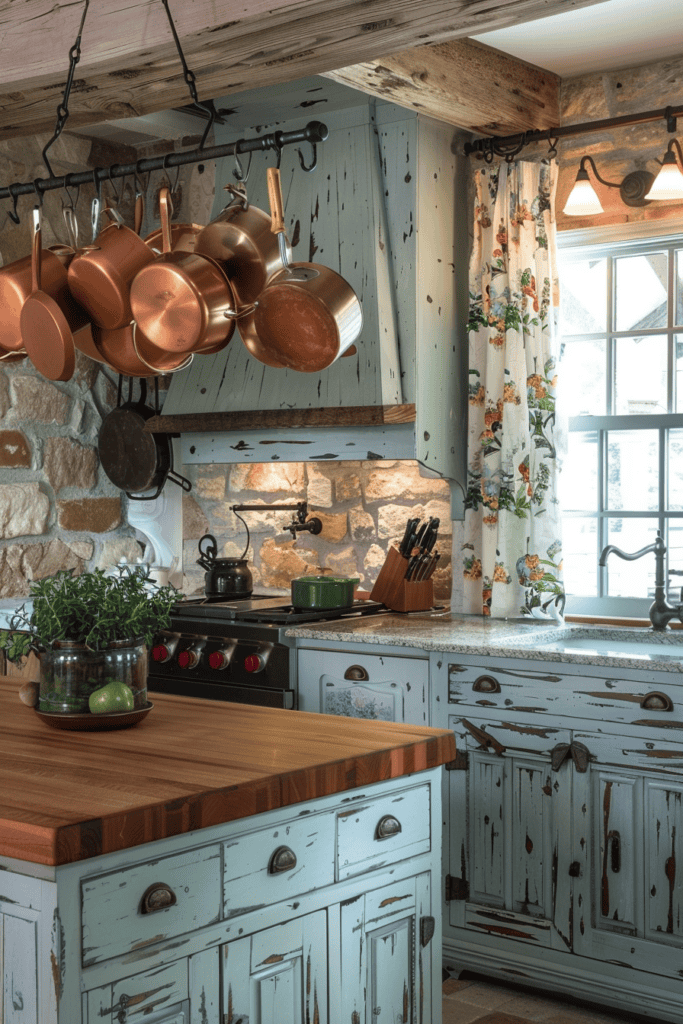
323,591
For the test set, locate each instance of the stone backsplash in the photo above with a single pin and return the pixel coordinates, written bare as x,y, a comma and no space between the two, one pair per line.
363,507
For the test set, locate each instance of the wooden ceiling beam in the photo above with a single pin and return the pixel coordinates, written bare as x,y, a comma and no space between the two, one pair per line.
129,65
463,83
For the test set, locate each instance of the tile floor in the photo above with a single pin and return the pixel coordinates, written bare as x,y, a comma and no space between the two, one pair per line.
474,999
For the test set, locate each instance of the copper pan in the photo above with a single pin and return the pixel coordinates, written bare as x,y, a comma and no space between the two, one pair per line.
123,348
15,288
100,279
183,302
307,316
241,240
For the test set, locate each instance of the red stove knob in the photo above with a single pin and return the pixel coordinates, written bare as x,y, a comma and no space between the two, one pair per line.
221,659
188,658
254,663
160,652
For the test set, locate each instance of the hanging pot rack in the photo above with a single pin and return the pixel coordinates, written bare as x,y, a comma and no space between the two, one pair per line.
314,132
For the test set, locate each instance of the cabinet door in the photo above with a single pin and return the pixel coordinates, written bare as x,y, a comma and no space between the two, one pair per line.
19,962
387,689
158,996
510,797
385,971
634,826
279,975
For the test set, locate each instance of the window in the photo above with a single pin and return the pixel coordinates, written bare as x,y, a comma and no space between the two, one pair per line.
622,389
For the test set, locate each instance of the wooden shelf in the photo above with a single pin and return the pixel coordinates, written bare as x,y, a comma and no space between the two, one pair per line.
357,416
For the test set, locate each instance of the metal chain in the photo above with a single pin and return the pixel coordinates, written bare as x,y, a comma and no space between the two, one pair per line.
63,108
190,78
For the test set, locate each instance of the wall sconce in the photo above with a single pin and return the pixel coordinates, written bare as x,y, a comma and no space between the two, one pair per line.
669,182
583,199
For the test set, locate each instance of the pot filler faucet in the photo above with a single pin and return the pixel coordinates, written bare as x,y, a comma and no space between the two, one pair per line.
298,523
660,609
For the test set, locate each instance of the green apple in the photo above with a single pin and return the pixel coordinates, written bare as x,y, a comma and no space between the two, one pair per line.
114,696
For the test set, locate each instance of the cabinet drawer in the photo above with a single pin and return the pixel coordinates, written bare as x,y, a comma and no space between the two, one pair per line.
361,844
508,688
274,864
115,919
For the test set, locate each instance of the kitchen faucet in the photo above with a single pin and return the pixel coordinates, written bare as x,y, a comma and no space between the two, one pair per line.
660,609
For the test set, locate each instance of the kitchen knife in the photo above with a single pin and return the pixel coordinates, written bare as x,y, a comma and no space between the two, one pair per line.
406,545
429,539
412,566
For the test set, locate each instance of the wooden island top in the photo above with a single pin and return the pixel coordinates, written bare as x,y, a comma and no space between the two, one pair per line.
67,796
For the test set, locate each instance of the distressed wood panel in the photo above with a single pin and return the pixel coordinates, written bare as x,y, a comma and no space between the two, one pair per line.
358,848
334,216
615,879
310,444
62,801
20,969
248,884
486,810
114,899
368,415
663,838
204,970
529,841
499,94
230,47
161,988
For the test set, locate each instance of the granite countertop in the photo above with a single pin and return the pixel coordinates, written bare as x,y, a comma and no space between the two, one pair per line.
531,639
66,796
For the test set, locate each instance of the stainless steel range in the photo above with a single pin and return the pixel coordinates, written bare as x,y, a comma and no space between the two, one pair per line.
235,650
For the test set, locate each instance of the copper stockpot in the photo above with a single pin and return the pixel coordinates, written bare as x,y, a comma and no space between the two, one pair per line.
16,286
307,316
183,302
241,240
100,278
183,238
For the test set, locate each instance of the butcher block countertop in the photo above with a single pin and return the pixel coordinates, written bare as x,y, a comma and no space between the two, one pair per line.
66,796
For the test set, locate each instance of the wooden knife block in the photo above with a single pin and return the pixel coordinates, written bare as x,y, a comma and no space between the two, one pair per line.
398,593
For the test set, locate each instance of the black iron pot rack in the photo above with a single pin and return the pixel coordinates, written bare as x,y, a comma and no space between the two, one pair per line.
313,133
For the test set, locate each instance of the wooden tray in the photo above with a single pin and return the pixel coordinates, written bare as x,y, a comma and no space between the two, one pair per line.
95,723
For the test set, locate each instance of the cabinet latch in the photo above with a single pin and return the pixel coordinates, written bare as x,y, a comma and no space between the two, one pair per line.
457,888
484,738
460,762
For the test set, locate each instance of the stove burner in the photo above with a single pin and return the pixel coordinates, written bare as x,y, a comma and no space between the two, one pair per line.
263,609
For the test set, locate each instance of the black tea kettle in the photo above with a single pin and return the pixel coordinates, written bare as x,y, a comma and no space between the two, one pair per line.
224,577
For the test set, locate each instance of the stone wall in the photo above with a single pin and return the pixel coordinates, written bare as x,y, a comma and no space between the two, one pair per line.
363,506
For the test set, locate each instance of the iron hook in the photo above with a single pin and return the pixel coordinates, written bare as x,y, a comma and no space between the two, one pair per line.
239,173
173,187
314,163
117,198
12,214
37,190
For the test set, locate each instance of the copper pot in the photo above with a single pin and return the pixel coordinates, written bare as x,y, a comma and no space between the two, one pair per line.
183,238
307,315
241,240
16,286
100,279
127,351
183,302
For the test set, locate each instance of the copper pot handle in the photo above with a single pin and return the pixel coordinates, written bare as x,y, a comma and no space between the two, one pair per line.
157,369
277,212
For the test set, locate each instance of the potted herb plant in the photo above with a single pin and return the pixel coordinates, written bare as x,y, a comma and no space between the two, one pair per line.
91,633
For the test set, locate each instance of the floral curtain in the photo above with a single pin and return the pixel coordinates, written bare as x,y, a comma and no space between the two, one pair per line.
512,540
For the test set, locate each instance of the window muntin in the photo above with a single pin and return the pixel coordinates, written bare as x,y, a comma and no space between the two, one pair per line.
622,381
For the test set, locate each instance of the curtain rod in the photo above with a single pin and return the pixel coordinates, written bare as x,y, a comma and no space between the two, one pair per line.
510,145
314,132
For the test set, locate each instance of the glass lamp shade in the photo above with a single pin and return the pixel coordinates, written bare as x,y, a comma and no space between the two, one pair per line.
669,182
583,199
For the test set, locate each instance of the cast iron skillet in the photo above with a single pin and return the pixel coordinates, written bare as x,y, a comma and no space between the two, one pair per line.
134,460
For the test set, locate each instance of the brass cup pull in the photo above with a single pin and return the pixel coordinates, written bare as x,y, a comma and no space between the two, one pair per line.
387,827
158,896
657,701
357,673
486,684
283,859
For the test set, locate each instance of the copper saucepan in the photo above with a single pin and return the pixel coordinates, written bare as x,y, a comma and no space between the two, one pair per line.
307,315
241,240
183,302
100,279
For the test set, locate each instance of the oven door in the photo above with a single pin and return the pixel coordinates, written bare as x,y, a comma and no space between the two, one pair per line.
267,697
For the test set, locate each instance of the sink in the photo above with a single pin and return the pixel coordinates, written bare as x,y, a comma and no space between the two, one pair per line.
614,643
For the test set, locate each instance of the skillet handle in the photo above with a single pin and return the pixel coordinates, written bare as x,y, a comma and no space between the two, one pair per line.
277,213
35,250
165,214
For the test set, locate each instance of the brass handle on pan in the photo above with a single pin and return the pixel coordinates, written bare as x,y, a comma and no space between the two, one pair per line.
277,213
165,214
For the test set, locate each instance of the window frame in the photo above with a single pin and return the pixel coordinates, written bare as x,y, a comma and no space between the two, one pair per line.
612,242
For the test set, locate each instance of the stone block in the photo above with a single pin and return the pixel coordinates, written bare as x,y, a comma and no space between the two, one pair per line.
195,523
319,488
4,394
347,488
375,556
89,515
68,464
334,526
210,487
281,563
37,400
344,562
403,481
392,519
362,525
24,510
22,563
15,450
117,549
